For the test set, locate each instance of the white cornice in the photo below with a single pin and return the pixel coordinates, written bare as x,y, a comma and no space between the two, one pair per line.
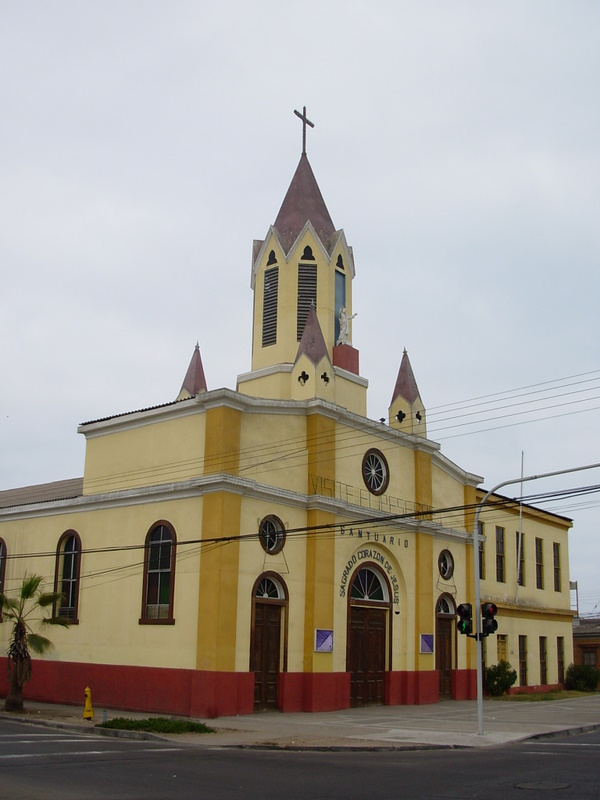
257,405
198,487
265,372
452,469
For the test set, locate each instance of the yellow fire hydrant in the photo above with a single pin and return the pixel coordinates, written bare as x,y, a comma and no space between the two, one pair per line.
88,711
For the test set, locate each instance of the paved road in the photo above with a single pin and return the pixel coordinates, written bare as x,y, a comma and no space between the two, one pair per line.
48,763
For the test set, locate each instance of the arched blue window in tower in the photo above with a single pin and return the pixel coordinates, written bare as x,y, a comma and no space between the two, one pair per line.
340,297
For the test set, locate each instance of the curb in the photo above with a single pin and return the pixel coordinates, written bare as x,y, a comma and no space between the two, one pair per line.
566,732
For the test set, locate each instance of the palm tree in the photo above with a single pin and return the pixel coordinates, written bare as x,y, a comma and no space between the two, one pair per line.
19,610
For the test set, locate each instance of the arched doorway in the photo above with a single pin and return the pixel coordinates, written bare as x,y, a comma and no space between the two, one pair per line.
267,646
445,614
367,639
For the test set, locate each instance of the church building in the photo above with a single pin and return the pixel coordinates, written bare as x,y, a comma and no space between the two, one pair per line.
270,547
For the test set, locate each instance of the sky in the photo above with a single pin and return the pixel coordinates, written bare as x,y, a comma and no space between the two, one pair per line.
145,145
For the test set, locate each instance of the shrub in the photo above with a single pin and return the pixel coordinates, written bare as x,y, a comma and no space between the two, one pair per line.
582,677
156,725
499,678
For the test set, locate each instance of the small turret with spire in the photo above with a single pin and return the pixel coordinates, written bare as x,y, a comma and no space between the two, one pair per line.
194,381
406,411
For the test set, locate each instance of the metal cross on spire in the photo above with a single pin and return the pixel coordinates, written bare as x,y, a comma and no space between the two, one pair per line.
305,122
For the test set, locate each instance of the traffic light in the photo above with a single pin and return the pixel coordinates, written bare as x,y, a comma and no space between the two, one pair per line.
464,623
488,614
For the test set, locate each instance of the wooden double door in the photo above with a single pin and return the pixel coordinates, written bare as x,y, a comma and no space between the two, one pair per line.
366,655
266,655
443,654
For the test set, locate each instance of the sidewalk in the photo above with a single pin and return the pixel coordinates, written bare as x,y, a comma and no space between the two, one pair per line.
443,725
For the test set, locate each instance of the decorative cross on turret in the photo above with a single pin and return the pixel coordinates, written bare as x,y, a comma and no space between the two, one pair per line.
305,122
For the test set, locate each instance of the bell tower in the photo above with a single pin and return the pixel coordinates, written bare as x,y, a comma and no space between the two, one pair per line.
302,273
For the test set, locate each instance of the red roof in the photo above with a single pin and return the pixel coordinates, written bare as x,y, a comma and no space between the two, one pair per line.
303,202
406,385
312,344
194,380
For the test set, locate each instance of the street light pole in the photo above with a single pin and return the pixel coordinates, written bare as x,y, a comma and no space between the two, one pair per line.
477,609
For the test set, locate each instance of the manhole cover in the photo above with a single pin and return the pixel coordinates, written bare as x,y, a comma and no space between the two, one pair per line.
543,785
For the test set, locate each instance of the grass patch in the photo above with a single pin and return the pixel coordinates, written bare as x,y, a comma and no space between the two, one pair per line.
156,725
541,697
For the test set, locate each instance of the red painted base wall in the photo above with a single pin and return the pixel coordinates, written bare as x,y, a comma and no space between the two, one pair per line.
412,688
464,684
215,694
316,691
541,688
169,691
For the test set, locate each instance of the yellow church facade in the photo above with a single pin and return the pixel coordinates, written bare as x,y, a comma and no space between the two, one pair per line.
270,547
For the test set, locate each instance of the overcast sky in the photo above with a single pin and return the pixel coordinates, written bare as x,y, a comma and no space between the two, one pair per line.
144,145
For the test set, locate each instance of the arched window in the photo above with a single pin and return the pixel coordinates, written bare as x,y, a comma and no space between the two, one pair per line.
159,575
445,605
2,569
368,586
269,588
66,575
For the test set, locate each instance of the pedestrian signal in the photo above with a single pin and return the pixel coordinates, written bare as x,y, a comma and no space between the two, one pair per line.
488,614
464,623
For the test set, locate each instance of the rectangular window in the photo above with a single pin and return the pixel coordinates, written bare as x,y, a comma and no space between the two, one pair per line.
502,647
560,657
269,331
481,552
543,656
307,295
539,564
589,658
520,554
522,660
556,554
499,554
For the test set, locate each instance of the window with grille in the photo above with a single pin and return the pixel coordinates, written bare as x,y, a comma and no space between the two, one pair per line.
523,660
502,647
66,575
307,294
500,554
159,575
539,564
543,657
481,552
560,657
520,553
556,554
271,292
